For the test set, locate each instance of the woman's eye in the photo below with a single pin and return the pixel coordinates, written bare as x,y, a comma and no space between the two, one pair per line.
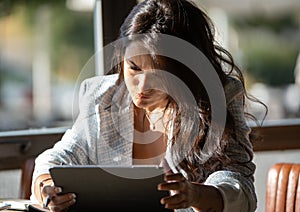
135,68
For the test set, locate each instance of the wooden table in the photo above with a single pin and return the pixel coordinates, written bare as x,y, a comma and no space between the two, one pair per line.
22,205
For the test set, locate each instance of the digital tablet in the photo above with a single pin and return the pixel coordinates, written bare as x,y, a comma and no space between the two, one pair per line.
112,188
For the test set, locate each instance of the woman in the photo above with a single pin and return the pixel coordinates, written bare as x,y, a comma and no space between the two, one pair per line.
156,109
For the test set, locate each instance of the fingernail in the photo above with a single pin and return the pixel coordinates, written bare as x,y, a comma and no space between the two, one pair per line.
73,195
58,189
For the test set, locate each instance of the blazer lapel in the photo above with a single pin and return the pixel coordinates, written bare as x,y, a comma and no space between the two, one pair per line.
116,127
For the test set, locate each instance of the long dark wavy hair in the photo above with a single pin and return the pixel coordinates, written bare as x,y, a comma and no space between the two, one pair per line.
183,19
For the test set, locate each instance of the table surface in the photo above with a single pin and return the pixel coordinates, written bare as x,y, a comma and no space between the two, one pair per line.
19,205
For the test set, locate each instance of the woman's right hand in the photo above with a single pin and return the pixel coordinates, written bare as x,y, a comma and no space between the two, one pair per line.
58,202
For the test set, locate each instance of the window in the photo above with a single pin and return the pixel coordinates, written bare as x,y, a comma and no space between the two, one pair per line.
264,39
43,47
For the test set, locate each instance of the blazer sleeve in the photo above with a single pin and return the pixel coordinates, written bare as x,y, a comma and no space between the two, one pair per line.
76,144
236,182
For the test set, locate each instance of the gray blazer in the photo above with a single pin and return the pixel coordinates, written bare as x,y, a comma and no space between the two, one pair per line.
103,134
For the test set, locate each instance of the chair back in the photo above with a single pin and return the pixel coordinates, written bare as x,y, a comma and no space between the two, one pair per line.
26,178
283,188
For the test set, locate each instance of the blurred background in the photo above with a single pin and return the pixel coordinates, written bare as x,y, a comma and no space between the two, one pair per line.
44,45
48,46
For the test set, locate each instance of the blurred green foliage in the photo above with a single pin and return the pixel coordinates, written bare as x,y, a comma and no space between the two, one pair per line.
269,47
72,32
276,23
273,66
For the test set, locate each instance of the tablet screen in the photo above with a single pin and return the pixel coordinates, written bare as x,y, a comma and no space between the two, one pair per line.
112,187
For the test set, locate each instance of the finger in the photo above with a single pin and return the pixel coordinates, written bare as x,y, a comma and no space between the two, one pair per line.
178,205
62,199
55,208
175,202
175,199
62,207
48,190
61,203
180,186
57,190
174,177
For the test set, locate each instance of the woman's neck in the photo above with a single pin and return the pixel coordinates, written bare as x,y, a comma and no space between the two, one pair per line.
150,121
141,123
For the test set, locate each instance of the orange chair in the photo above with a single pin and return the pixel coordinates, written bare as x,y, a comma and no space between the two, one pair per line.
283,188
26,178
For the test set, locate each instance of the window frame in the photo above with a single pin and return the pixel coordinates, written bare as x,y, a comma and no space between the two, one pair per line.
17,146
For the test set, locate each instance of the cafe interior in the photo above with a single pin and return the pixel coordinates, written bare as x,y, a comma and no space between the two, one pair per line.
47,48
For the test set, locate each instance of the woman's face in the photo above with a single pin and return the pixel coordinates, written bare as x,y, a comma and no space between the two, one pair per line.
142,80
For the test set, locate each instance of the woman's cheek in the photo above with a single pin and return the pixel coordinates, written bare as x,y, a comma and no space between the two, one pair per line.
131,89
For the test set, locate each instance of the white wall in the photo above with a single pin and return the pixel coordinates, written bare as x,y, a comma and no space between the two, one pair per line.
264,160
10,183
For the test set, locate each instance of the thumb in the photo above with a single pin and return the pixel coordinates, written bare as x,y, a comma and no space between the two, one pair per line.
49,190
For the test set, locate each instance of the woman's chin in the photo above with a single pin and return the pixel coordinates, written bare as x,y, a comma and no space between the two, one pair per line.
141,103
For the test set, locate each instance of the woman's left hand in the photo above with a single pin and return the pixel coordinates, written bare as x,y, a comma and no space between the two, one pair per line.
185,194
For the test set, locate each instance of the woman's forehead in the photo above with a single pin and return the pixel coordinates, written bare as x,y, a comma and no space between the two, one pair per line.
148,59
144,62
135,49
139,55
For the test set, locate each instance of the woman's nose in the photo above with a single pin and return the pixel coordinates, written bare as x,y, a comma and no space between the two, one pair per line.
147,81
142,82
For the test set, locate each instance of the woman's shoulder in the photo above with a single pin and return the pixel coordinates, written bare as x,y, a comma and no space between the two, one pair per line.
232,88
233,83
98,83
95,88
